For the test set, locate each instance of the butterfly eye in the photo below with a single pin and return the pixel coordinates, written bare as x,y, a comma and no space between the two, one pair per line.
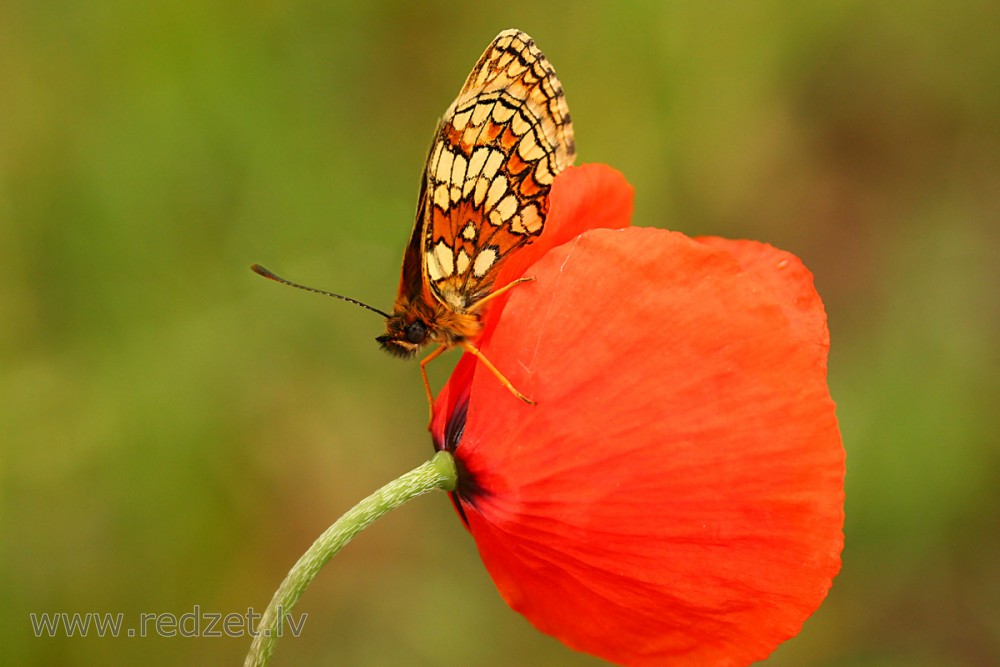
416,332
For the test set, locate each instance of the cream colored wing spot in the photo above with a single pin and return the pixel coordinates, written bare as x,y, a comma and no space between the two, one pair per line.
502,113
517,225
442,170
529,149
486,258
520,125
462,261
507,207
442,198
469,232
458,169
531,219
480,191
497,190
543,172
440,262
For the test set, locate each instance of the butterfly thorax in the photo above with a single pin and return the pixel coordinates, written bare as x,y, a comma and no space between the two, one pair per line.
417,322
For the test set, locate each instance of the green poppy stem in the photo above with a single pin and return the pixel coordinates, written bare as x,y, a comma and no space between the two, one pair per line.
437,473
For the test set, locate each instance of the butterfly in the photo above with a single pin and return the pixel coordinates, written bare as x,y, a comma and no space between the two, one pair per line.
484,195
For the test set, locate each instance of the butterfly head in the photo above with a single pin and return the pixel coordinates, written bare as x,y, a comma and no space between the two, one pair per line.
404,336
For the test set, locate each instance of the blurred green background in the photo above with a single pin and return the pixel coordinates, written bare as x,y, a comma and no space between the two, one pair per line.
175,431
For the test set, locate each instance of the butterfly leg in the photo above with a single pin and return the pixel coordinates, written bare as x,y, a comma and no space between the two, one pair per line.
423,372
479,304
474,351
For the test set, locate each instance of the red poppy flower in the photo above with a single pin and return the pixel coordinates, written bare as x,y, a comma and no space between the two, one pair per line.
676,495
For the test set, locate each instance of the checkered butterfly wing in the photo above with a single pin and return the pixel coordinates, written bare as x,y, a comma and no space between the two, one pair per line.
486,185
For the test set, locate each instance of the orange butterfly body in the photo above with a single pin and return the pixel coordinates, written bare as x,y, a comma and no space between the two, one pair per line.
484,195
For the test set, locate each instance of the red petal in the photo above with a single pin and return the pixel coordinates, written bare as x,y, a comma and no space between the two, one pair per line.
677,493
788,281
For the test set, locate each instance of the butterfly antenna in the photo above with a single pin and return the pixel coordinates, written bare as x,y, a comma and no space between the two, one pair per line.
261,271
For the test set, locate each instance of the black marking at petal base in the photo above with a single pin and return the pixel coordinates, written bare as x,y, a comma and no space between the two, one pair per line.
455,428
466,488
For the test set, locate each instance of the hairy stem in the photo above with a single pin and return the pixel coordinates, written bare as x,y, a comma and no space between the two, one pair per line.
437,473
